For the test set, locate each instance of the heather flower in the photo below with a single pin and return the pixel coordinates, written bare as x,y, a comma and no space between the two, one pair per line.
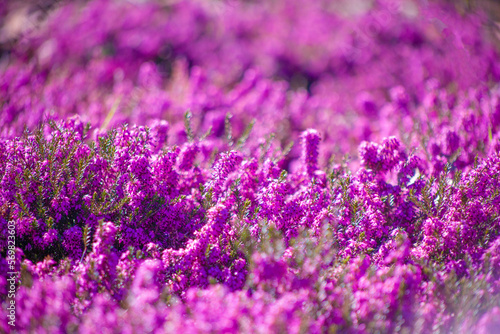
365,102
73,242
147,282
489,322
187,156
400,97
310,140
50,236
267,269
383,157
226,164
134,216
47,305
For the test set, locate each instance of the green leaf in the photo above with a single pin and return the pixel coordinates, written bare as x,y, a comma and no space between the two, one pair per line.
187,125
246,133
228,129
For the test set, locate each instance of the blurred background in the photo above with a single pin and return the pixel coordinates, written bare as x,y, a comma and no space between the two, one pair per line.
18,17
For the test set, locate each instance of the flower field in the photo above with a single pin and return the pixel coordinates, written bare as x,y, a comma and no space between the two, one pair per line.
250,166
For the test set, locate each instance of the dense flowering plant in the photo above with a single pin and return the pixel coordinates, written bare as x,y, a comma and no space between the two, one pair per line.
251,166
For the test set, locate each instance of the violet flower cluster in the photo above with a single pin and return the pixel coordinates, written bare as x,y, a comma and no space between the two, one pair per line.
251,166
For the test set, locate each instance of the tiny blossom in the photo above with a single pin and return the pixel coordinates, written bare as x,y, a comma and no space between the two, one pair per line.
310,146
188,155
226,164
73,241
50,236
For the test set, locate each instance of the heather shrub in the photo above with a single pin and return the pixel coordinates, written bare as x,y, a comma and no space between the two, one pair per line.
250,166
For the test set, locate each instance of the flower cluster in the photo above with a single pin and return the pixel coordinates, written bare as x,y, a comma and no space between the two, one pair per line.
147,159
